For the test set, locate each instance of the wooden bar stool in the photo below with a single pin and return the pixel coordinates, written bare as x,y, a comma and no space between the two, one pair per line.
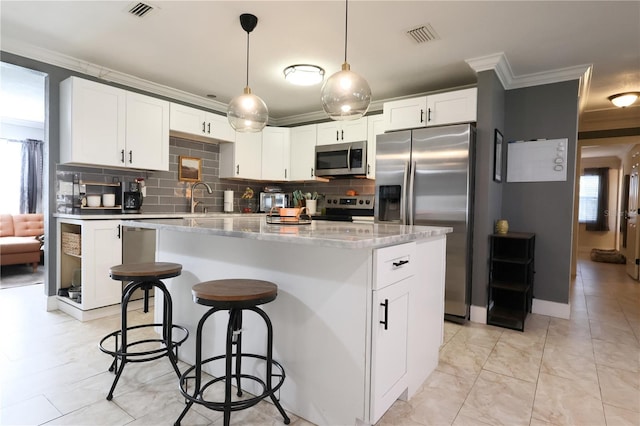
235,296
144,276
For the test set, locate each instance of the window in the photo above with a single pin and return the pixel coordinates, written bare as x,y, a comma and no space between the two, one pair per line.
588,209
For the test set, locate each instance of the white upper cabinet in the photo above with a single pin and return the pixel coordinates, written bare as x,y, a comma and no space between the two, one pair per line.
303,152
102,125
275,153
376,127
459,106
342,131
405,113
92,123
242,159
147,132
196,122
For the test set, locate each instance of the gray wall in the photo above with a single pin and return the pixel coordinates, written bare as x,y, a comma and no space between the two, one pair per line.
545,208
488,193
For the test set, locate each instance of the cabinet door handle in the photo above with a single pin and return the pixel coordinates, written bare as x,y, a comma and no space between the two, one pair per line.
422,116
312,172
341,134
400,263
119,232
386,314
237,169
122,156
285,173
130,157
429,114
209,128
368,169
203,124
337,135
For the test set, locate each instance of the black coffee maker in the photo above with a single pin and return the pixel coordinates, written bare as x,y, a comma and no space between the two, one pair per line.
131,197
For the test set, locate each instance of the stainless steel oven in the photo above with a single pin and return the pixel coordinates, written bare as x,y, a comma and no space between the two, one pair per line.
342,159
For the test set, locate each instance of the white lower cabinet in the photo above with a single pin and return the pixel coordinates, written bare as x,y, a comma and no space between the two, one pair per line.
394,270
389,339
100,249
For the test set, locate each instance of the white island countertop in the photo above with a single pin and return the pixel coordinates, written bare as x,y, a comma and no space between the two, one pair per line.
324,233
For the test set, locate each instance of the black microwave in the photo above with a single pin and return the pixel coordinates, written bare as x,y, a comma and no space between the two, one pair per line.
342,159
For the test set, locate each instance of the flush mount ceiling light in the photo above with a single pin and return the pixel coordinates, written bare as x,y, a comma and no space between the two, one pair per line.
622,100
345,95
247,112
303,74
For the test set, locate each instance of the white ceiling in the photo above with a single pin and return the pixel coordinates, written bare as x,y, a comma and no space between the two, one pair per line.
199,47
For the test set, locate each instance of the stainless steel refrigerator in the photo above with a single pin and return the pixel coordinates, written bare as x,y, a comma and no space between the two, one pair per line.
425,177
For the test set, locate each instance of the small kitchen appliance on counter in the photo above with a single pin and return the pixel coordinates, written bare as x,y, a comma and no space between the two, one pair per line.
268,200
357,208
131,197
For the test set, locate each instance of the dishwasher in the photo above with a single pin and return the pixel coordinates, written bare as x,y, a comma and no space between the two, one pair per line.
138,246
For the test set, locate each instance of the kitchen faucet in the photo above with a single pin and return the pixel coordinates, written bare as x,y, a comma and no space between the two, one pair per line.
193,187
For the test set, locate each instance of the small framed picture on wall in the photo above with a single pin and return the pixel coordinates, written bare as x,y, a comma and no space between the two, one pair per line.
497,156
189,169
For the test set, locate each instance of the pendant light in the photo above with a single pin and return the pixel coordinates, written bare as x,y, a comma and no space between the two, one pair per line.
247,112
345,95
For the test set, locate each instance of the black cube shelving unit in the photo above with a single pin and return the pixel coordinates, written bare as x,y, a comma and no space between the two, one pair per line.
511,273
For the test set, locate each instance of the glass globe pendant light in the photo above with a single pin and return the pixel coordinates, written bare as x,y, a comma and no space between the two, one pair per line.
247,112
345,95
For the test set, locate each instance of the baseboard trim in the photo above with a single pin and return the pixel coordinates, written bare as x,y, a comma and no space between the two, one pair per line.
478,314
97,313
51,303
552,309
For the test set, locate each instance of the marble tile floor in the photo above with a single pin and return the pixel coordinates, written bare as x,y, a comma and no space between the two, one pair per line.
581,371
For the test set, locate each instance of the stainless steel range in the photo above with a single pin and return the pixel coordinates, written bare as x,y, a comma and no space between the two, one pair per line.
357,208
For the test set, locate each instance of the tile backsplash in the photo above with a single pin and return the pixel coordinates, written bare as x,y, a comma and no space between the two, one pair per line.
166,194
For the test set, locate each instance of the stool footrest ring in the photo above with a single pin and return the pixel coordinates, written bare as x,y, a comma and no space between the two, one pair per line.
143,356
197,395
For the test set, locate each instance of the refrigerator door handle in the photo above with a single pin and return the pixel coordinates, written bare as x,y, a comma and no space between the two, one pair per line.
403,202
412,179
349,158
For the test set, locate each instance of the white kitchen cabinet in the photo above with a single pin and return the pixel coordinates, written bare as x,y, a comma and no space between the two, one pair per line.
458,106
375,127
394,271
275,154
303,152
101,125
92,123
342,131
101,248
192,121
147,132
405,113
243,158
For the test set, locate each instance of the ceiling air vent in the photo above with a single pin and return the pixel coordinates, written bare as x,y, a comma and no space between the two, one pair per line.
423,33
140,9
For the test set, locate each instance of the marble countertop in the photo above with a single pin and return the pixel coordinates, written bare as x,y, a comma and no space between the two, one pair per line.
125,216
318,232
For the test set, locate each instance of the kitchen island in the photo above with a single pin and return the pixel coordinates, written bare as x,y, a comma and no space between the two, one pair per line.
359,315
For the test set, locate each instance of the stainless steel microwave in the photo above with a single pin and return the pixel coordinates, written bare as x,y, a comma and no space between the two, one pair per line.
342,159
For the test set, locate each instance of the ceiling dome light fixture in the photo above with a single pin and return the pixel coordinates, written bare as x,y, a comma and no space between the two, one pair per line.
247,112
303,74
623,100
345,95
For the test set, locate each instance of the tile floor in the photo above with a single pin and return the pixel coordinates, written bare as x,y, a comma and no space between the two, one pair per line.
582,371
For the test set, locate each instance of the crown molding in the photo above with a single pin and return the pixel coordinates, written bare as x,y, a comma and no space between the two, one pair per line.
499,63
103,73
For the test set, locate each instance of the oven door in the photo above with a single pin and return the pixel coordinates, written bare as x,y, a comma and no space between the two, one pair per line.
343,159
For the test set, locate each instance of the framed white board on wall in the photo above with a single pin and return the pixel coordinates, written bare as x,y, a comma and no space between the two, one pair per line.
541,160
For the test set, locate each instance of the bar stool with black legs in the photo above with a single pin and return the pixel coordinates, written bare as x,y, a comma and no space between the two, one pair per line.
234,296
144,276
